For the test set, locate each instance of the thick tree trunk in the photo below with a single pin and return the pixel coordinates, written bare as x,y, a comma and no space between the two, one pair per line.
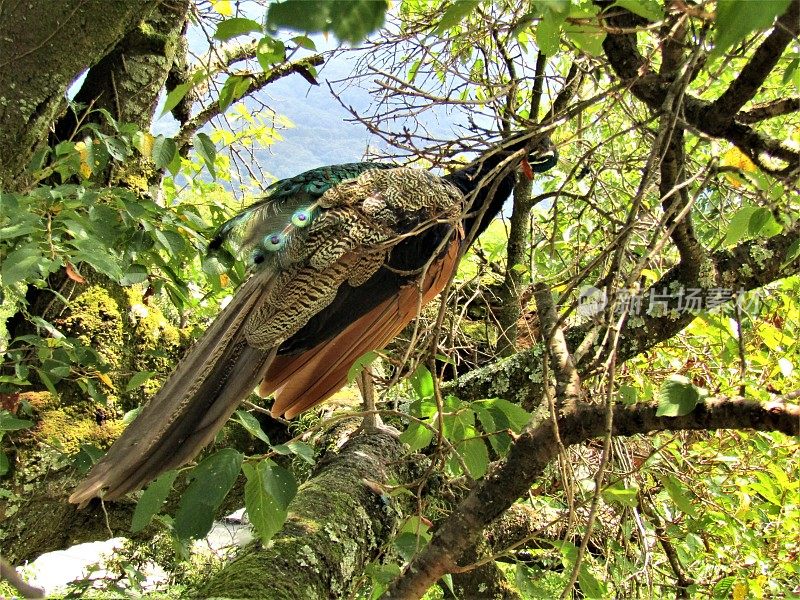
45,46
337,524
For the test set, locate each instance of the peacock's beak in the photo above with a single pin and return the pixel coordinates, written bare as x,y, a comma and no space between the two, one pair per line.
544,157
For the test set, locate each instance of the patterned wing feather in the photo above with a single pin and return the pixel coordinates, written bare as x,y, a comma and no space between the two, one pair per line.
261,231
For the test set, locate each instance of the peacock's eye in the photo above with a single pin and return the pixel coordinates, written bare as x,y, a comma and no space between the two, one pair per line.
257,257
274,241
302,217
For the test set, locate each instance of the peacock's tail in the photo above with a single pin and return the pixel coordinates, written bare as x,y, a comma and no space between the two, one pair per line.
198,397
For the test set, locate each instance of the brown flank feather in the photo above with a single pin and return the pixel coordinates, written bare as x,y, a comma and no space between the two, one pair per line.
303,381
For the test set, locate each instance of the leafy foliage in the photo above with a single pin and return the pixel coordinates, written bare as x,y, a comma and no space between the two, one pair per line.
712,514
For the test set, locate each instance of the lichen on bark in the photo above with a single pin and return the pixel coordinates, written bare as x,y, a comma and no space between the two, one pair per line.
337,523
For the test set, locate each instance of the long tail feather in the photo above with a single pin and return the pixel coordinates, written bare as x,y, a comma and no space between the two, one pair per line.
218,372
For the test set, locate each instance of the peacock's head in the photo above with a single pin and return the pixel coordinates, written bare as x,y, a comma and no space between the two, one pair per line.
542,156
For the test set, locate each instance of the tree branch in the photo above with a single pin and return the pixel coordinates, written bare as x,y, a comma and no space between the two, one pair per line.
536,447
34,79
769,110
337,522
752,76
258,81
620,46
748,266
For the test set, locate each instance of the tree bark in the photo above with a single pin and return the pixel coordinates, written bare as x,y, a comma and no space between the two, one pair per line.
43,49
338,522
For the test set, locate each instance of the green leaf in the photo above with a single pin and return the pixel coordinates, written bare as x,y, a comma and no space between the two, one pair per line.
300,449
138,379
793,251
135,274
679,494
412,71
517,417
5,465
497,416
454,14
353,20
724,587
586,38
93,251
48,383
21,264
270,51
792,73
475,455
152,500
171,241
301,15
207,151
585,34
116,147
590,585
736,19
230,28
678,397
384,574
414,536
9,422
422,382
164,149
362,361
212,479
627,394
267,494
131,415
619,494
251,424
234,88
649,9
280,483
88,456
548,32
416,436
175,96
19,229
305,42
763,224
739,226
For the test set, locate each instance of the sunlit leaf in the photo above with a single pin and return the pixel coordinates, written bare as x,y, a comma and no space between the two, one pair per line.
475,455
207,151
454,14
164,149
678,397
235,26
268,491
619,493
173,99
251,424
649,9
138,379
736,19
9,422
417,436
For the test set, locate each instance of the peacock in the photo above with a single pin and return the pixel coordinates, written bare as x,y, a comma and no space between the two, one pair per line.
341,258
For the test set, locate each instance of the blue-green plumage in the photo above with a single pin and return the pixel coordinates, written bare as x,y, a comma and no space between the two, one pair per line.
288,207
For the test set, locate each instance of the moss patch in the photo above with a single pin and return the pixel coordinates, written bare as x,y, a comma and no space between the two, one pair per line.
69,430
